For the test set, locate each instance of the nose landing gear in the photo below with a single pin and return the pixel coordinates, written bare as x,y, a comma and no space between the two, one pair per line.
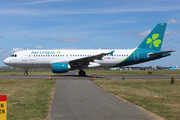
26,72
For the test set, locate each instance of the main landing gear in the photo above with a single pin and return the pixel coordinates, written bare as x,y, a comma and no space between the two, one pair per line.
82,73
26,72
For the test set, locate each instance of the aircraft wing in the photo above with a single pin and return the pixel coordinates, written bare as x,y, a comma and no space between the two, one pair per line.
85,60
160,53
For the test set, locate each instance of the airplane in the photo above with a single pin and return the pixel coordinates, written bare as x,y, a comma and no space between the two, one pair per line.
61,61
114,68
174,68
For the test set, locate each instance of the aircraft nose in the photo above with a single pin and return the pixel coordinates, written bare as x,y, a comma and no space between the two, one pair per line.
6,61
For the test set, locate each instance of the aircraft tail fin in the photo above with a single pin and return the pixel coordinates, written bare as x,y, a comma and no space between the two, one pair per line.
155,38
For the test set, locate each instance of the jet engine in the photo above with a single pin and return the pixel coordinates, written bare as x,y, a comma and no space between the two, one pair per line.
60,67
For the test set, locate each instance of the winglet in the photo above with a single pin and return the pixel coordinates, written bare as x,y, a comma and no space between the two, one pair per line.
111,53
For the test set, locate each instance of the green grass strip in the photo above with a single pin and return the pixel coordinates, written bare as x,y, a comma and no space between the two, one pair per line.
27,99
157,96
133,72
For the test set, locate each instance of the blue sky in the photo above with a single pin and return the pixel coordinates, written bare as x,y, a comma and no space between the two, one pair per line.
87,24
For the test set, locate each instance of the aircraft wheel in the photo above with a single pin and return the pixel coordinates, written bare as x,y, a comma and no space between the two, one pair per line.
25,74
82,73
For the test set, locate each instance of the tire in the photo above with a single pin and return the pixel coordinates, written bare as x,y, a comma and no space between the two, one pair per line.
82,73
25,74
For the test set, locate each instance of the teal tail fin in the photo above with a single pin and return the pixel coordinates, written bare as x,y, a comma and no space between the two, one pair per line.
155,38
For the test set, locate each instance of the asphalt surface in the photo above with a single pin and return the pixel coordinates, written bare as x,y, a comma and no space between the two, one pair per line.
84,100
78,98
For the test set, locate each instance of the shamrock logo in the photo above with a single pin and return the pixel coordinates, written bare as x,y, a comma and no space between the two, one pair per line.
58,52
154,40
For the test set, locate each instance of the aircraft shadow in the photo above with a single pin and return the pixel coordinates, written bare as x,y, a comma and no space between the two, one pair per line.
76,76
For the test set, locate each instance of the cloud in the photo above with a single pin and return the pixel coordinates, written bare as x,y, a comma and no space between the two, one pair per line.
39,2
43,38
63,48
17,49
172,33
1,36
89,36
177,42
166,48
86,11
168,33
165,40
177,32
1,50
172,21
119,21
69,39
130,32
111,28
39,47
110,45
3,53
143,34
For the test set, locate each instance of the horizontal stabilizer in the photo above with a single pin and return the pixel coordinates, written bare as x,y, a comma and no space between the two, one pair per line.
160,53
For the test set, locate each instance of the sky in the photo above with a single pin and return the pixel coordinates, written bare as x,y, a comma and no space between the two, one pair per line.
87,24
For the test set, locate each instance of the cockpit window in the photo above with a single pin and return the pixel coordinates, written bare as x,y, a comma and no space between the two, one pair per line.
14,55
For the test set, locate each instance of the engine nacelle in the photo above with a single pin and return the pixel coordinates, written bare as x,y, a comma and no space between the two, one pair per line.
60,67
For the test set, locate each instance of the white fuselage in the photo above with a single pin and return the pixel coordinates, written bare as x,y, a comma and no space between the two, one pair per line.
45,58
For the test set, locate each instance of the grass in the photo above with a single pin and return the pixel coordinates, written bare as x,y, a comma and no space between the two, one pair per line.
27,99
29,73
157,96
100,72
134,72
